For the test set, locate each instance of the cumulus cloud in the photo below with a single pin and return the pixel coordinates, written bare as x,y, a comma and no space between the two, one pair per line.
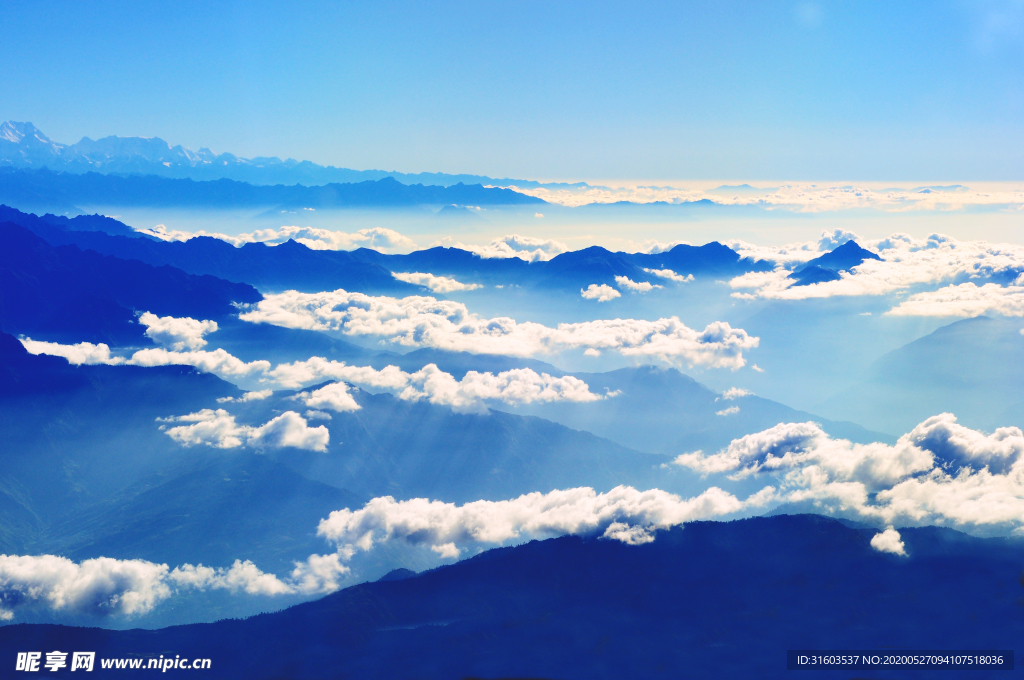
217,428
941,473
177,333
670,275
524,247
966,299
98,586
335,397
384,240
623,514
436,284
444,324
906,263
628,284
602,293
889,541
517,386
105,586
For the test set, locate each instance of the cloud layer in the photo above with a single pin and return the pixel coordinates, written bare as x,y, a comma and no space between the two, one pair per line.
907,263
622,514
939,473
468,395
105,586
427,322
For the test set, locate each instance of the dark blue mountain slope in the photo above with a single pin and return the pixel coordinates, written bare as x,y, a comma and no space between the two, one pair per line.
17,186
50,226
708,600
65,293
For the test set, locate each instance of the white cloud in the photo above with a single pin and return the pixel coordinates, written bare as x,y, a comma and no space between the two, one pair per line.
798,197
427,322
81,353
906,262
241,576
177,333
629,284
602,293
98,586
889,541
335,397
219,430
623,514
384,240
219,362
105,586
517,386
436,284
670,275
966,299
524,247
735,393
939,473
248,396
728,411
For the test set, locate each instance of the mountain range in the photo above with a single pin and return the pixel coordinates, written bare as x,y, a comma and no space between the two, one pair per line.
22,145
294,265
707,600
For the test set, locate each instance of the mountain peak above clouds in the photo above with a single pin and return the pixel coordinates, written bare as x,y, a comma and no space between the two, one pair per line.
827,267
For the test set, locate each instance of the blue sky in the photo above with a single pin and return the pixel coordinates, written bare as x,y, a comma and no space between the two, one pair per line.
859,91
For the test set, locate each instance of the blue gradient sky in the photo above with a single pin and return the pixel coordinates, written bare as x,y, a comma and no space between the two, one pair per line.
860,91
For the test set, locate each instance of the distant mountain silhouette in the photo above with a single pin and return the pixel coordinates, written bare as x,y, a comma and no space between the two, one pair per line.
570,270
827,267
707,600
31,188
65,293
973,368
22,145
660,410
